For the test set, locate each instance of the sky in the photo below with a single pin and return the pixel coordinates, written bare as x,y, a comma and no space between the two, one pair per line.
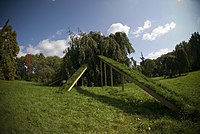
154,27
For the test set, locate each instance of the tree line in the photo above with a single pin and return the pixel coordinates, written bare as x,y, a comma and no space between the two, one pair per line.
185,58
84,49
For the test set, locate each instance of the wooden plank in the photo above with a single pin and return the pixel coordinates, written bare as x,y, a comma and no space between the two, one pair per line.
69,89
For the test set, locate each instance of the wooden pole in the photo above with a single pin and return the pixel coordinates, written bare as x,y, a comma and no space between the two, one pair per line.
101,72
122,82
82,81
105,78
111,77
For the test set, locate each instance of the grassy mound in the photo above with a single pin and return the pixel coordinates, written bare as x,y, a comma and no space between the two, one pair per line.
168,93
73,78
27,107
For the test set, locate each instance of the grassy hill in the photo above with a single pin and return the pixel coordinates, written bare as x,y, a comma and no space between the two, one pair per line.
27,107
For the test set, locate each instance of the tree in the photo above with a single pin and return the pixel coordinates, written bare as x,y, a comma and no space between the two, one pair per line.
85,48
8,52
38,67
182,60
193,51
148,67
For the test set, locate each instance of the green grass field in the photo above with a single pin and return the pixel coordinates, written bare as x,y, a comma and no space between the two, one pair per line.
27,107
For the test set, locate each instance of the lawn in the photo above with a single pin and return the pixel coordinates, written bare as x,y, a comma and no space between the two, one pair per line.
187,87
27,107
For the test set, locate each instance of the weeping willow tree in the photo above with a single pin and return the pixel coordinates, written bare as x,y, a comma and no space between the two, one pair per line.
84,49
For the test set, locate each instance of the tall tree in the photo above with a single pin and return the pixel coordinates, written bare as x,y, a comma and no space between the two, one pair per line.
182,59
148,67
85,48
194,51
8,52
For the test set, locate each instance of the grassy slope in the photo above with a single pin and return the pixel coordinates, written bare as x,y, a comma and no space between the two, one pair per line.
31,108
71,80
166,91
187,87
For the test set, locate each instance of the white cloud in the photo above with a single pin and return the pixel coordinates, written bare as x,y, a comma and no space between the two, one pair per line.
179,0
118,27
147,25
160,30
47,47
21,53
57,33
155,55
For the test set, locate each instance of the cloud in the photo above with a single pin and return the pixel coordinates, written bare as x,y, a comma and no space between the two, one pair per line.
155,55
147,25
118,27
160,30
57,33
21,53
47,47
179,0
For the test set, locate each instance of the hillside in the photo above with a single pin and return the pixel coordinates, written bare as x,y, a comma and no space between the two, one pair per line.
27,107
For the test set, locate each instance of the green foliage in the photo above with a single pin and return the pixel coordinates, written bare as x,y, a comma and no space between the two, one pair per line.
84,49
184,58
148,67
72,79
193,51
40,68
28,107
8,52
168,93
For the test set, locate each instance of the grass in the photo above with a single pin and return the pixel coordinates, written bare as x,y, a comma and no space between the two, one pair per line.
170,94
27,107
72,79
187,87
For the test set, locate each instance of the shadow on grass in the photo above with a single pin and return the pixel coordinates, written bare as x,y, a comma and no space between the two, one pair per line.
149,109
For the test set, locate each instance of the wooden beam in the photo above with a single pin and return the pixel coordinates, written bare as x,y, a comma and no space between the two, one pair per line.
101,72
122,77
82,82
111,76
105,76
71,86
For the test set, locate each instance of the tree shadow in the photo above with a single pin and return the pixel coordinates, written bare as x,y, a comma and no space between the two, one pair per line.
148,109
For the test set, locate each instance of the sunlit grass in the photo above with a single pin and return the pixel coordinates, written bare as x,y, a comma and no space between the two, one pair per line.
27,107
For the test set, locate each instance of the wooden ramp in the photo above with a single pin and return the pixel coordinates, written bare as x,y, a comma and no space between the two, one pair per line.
74,78
140,80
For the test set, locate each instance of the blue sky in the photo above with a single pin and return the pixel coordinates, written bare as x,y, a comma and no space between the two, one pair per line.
154,27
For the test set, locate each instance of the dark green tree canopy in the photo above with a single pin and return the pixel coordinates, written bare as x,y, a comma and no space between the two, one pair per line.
8,52
84,49
185,57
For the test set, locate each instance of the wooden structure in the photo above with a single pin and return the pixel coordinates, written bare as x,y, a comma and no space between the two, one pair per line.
74,78
149,90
